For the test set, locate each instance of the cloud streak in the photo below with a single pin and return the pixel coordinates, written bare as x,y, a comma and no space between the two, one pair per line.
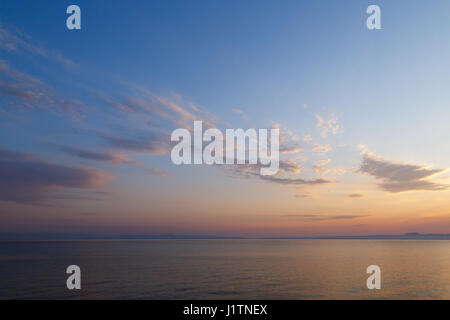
399,177
172,110
355,195
318,217
321,148
25,178
111,157
25,92
240,112
330,126
153,143
156,172
16,41
295,181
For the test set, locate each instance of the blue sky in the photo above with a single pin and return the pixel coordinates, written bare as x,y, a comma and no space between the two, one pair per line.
311,68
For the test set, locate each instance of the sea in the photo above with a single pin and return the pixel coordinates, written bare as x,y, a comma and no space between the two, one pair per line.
226,269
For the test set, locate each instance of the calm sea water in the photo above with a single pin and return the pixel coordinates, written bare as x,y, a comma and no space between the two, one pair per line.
226,269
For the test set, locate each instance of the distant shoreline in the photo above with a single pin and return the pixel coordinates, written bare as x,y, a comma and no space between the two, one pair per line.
10,237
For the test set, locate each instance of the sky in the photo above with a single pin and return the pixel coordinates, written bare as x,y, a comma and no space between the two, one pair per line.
86,117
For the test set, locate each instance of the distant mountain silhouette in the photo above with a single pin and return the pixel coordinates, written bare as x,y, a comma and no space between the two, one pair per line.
406,236
47,236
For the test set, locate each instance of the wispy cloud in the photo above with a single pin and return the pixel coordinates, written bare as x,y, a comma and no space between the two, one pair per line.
319,217
288,169
16,41
111,157
400,177
322,148
290,150
156,172
285,167
173,110
241,112
320,165
307,138
303,195
355,195
153,143
289,141
326,127
26,92
295,181
25,178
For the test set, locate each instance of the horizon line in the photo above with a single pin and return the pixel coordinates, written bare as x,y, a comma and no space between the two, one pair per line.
49,236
